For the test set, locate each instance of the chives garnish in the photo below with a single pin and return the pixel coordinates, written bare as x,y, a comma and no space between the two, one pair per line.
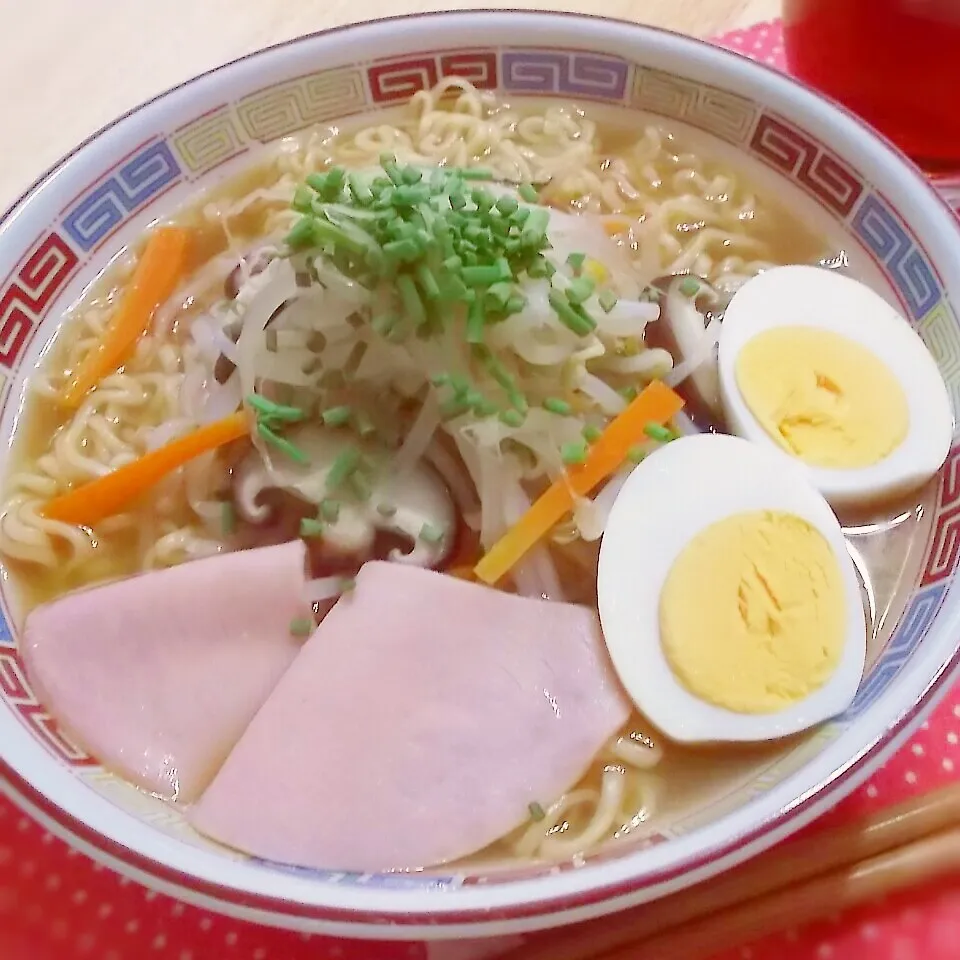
361,192
281,443
410,297
431,533
301,627
330,510
481,276
428,282
508,205
528,192
636,453
628,393
309,527
365,426
268,410
569,317
347,584
574,452
558,406
343,467
576,260
336,416
360,486
302,234
476,318
440,379
228,518
537,812
454,407
317,180
512,418
302,199
592,433
608,300
656,431
475,173
580,289
689,286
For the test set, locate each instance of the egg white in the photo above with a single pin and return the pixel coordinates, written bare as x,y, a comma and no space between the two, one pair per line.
670,497
820,298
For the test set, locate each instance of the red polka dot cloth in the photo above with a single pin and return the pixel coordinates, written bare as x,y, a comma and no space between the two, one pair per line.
55,904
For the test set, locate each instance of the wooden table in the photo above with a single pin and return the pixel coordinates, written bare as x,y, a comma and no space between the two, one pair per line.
69,66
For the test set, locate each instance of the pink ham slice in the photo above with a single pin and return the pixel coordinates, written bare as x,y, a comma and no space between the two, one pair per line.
419,723
159,675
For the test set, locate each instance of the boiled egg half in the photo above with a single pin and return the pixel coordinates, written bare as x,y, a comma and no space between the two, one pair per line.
728,600
819,367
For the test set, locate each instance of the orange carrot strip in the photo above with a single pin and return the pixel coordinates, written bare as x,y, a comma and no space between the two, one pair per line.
656,404
154,279
111,493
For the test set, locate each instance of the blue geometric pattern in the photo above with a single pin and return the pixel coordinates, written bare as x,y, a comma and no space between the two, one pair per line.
6,634
111,202
913,626
905,266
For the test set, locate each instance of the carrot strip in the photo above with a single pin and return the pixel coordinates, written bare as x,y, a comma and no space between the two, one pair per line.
109,494
656,404
154,279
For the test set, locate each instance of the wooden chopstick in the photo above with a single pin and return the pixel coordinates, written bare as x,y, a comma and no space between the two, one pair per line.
926,859
796,861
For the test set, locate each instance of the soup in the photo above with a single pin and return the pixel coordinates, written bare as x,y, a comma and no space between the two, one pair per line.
430,322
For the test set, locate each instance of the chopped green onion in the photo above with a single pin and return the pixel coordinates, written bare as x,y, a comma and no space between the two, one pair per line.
574,452
228,518
608,300
347,584
269,410
628,393
360,486
330,510
281,443
361,192
475,173
440,379
689,286
508,205
344,466
318,181
537,812
431,533
636,453
336,416
569,317
580,289
410,297
481,276
512,418
302,199
476,318
528,192
302,627
656,431
592,433
310,527
302,234
365,426
558,406
428,282
576,260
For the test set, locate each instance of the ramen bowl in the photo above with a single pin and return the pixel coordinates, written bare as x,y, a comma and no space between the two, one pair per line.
835,174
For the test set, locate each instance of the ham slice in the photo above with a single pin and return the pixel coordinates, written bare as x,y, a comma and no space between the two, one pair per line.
417,725
158,675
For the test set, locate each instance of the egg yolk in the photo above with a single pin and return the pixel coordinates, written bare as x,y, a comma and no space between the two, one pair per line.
822,397
752,613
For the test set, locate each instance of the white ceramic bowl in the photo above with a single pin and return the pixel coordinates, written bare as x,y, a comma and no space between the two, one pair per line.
845,181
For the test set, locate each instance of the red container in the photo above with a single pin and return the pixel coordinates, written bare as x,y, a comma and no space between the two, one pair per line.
896,63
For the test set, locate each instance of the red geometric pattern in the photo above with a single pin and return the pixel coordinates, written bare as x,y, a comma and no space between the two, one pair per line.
15,689
797,154
26,296
944,549
400,79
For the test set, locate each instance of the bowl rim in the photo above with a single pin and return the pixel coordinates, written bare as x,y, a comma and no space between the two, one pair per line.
539,910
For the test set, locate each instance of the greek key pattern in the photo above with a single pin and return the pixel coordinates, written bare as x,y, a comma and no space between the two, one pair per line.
940,331
944,548
296,104
142,178
802,158
209,141
27,295
567,73
397,80
16,691
904,264
914,624
379,881
706,108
